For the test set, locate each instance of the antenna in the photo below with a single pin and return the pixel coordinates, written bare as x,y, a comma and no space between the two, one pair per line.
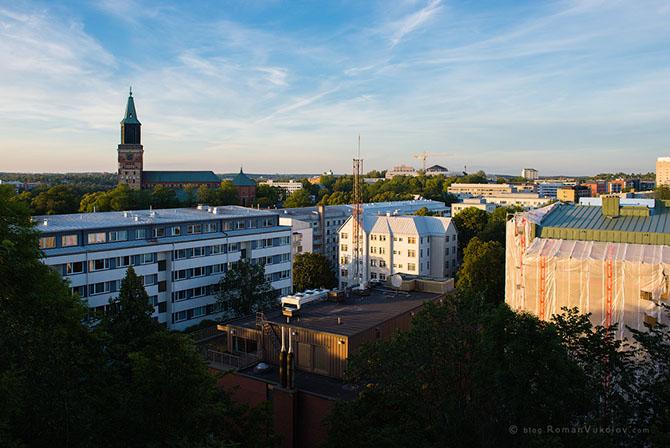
358,215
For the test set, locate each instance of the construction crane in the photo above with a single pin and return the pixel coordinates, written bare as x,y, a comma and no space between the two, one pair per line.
424,156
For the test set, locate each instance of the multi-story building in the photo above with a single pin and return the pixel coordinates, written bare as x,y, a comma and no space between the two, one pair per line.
415,245
325,221
572,193
291,186
479,203
530,173
596,188
549,189
607,256
527,200
181,254
474,190
663,171
616,186
402,170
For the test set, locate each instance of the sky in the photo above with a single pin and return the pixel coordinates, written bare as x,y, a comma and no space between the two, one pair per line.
566,87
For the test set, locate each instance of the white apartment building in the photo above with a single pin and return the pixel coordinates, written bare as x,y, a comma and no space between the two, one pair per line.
530,173
325,221
402,170
181,254
549,189
291,186
478,203
415,245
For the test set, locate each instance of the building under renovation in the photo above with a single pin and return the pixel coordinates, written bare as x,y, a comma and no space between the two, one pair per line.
611,260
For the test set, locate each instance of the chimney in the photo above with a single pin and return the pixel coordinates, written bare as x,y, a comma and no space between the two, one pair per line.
610,207
290,364
282,361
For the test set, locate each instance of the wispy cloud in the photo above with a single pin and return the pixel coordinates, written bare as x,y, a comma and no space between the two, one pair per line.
409,23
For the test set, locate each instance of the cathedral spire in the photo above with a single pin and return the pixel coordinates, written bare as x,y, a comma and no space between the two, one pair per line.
131,115
130,125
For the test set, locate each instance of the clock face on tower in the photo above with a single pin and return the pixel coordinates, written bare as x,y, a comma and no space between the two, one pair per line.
129,156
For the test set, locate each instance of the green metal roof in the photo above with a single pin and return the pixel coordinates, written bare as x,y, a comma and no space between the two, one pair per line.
242,180
131,115
179,176
574,222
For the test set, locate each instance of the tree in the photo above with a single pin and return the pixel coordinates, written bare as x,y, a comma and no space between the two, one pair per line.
58,199
423,211
268,196
662,192
299,198
469,223
483,270
244,289
312,271
496,226
164,198
227,194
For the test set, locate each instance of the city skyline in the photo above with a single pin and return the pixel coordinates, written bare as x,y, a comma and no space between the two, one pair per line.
564,87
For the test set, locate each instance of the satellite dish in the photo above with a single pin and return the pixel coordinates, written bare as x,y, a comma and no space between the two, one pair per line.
396,281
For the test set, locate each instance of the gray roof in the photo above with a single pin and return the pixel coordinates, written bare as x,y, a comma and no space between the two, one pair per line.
242,180
87,221
357,313
179,176
406,225
131,116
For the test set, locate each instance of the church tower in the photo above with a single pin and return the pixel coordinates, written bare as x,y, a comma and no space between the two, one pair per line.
130,149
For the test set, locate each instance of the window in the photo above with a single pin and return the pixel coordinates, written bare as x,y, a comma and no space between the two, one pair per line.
47,242
158,232
268,222
373,275
216,249
239,225
421,252
180,295
382,250
411,240
382,237
210,227
446,238
74,268
98,288
228,225
149,280
344,273
233,247
395,238
411,253
180,316
199,271
199,311
253,224
176,231
344,248
140,234
194,229
446,251
81,290
145,258
98,265
344,260
180,254
199,292
180,274
382,276
373,262
198,251
96,238
411,266
217,268
120,235
69,240
428,251
382,263
122,262
428,265
344,236
373,237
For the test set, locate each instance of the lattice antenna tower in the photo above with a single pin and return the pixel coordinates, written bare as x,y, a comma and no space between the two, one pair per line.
358,215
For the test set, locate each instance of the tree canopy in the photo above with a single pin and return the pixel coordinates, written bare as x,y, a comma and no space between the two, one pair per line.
244,290
311,271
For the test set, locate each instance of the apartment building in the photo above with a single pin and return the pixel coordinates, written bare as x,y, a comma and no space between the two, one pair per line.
663,171
474,190
529,173
572,193
291,186
415,245
181,254
325,221
549,189
478,203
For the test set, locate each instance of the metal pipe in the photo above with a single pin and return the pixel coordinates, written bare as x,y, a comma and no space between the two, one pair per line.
282,361
290,368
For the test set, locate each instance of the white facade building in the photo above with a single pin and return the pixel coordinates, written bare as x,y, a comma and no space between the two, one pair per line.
181,255
529,173
478,203
415,245
291,186
549,189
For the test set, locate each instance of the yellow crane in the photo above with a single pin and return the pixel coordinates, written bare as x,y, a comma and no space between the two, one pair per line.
424,156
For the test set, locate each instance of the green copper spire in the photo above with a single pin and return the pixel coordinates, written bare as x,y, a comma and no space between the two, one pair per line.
131,115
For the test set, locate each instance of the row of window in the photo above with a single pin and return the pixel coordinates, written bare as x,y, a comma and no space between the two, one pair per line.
79,267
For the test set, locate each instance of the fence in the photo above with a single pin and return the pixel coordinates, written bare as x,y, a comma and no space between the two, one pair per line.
228,359
206,333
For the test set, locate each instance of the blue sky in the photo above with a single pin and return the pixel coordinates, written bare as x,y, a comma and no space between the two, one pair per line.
574,87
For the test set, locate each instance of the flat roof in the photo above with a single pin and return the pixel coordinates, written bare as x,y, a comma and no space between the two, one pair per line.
591,218
356,313
135,218
367,207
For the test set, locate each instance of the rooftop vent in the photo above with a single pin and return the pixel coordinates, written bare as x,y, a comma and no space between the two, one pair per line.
126,214
203,207
46,222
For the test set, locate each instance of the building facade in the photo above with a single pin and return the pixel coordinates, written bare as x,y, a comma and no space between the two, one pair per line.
478,203
549,189
414,245
663,171
130,155
530,173
246,189
291,186
572,193
474,190
181,254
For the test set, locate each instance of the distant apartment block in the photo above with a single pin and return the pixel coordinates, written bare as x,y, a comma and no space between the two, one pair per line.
529,173
291,186
402,170
415,245
473,190
548,189
663,171
596,188
181,254
572,193
478,203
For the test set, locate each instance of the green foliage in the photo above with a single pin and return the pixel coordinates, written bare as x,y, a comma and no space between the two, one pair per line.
299,198
496,226
311,271
226,194
477,178
423,211
469,223
244,290
662,192
119,199
467,373
268,196
483,270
